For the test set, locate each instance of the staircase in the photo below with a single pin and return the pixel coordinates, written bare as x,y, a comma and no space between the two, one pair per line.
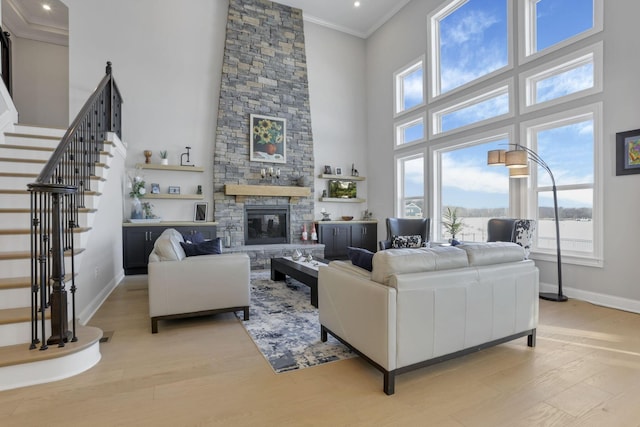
22,157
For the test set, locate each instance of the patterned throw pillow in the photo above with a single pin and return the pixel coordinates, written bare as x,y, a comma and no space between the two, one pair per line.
207,247
406,241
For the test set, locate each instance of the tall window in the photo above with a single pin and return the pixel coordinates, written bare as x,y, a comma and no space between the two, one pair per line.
410,186
566,142
476,191
470,40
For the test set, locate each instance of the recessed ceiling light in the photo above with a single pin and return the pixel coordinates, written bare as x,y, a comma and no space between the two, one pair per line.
356,3
46,6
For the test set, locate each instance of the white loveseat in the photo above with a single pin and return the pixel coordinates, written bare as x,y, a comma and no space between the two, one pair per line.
421,306
181,286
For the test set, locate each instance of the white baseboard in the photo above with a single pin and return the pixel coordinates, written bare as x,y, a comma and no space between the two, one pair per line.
604,300
92,308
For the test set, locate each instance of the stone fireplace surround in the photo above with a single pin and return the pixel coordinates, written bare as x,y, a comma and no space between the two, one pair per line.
264,72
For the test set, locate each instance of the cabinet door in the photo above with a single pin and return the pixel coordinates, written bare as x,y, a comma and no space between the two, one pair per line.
336,238
136,249
364,236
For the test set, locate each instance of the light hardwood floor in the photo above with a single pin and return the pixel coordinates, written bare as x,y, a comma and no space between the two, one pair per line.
585,371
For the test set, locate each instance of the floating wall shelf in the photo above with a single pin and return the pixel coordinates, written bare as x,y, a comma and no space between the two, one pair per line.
169,167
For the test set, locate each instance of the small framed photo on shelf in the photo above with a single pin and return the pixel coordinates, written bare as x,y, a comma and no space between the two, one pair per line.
628,152
155,188
338,171
174,190
200,212
327,170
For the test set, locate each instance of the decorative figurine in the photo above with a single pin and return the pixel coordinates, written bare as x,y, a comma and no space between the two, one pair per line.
147,156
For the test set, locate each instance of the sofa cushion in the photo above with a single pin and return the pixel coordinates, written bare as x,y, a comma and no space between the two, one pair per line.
167,246
206,247
406,241
196,237
400,261
492,253
360,257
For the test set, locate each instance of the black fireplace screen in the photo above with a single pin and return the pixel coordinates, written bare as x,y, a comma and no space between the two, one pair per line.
266,225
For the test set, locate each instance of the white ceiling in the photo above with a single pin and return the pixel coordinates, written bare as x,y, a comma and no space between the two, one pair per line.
28,19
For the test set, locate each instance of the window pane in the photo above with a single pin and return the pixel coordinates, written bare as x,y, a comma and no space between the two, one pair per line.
575,210
568,82
414,132
483,110
559,20
568,151
473,42
478,191
412,91
413,186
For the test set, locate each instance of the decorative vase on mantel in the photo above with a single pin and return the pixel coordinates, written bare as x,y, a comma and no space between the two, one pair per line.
136,208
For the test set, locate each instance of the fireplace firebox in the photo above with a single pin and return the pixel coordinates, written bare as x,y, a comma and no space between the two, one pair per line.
266,225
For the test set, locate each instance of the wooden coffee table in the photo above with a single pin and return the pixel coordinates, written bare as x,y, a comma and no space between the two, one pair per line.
282,267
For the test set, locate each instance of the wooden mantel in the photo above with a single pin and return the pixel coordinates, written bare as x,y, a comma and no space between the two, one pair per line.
241,191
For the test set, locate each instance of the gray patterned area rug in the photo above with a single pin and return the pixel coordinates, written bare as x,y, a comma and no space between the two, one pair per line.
285,327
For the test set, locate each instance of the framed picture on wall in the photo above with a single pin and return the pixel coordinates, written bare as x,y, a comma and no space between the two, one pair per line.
268,139
628,152
200,212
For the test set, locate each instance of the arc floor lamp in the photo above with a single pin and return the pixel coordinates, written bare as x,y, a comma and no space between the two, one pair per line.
517,160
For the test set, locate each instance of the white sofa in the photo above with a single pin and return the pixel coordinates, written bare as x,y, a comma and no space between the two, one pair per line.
421,306
181,286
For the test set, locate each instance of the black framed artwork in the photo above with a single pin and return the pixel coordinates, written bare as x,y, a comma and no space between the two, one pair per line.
628,152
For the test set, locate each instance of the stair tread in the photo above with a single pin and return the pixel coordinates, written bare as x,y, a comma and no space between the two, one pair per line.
22,282
14,191
35,175
20,160
27,254
27,210
18,315
26,147
20,354
11,231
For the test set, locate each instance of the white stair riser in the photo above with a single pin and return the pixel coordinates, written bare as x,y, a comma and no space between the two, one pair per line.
37,130
19,333
22,220
20,167
22,242
22,267
15,153
32,142
15,298
23,201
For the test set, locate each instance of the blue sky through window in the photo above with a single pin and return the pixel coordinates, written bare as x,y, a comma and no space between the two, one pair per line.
473,42
558,20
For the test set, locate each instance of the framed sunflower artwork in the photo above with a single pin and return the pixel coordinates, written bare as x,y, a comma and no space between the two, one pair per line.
268,139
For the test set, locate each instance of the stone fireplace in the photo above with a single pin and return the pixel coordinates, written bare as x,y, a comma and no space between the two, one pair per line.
264,72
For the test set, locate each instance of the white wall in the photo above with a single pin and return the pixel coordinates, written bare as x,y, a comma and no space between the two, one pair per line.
336,70
403,39
40,82
168,67
166,60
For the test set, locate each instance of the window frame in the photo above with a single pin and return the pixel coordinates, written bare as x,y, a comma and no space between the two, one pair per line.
435,171
556,67
436,114
434,90
398,86
551,121
398,171
400,126
527,40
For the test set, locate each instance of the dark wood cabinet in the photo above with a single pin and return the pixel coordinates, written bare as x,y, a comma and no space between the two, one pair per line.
337,237
138,240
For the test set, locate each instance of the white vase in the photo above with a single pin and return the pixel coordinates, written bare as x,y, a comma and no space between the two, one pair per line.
164,161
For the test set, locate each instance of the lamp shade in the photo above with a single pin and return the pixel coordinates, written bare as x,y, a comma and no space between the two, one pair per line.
496,157
516,159
519,172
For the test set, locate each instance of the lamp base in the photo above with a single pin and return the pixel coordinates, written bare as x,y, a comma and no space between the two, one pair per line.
550,296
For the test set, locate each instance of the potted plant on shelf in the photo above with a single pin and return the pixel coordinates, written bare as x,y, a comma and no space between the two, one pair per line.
138,190
452,223
163,157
